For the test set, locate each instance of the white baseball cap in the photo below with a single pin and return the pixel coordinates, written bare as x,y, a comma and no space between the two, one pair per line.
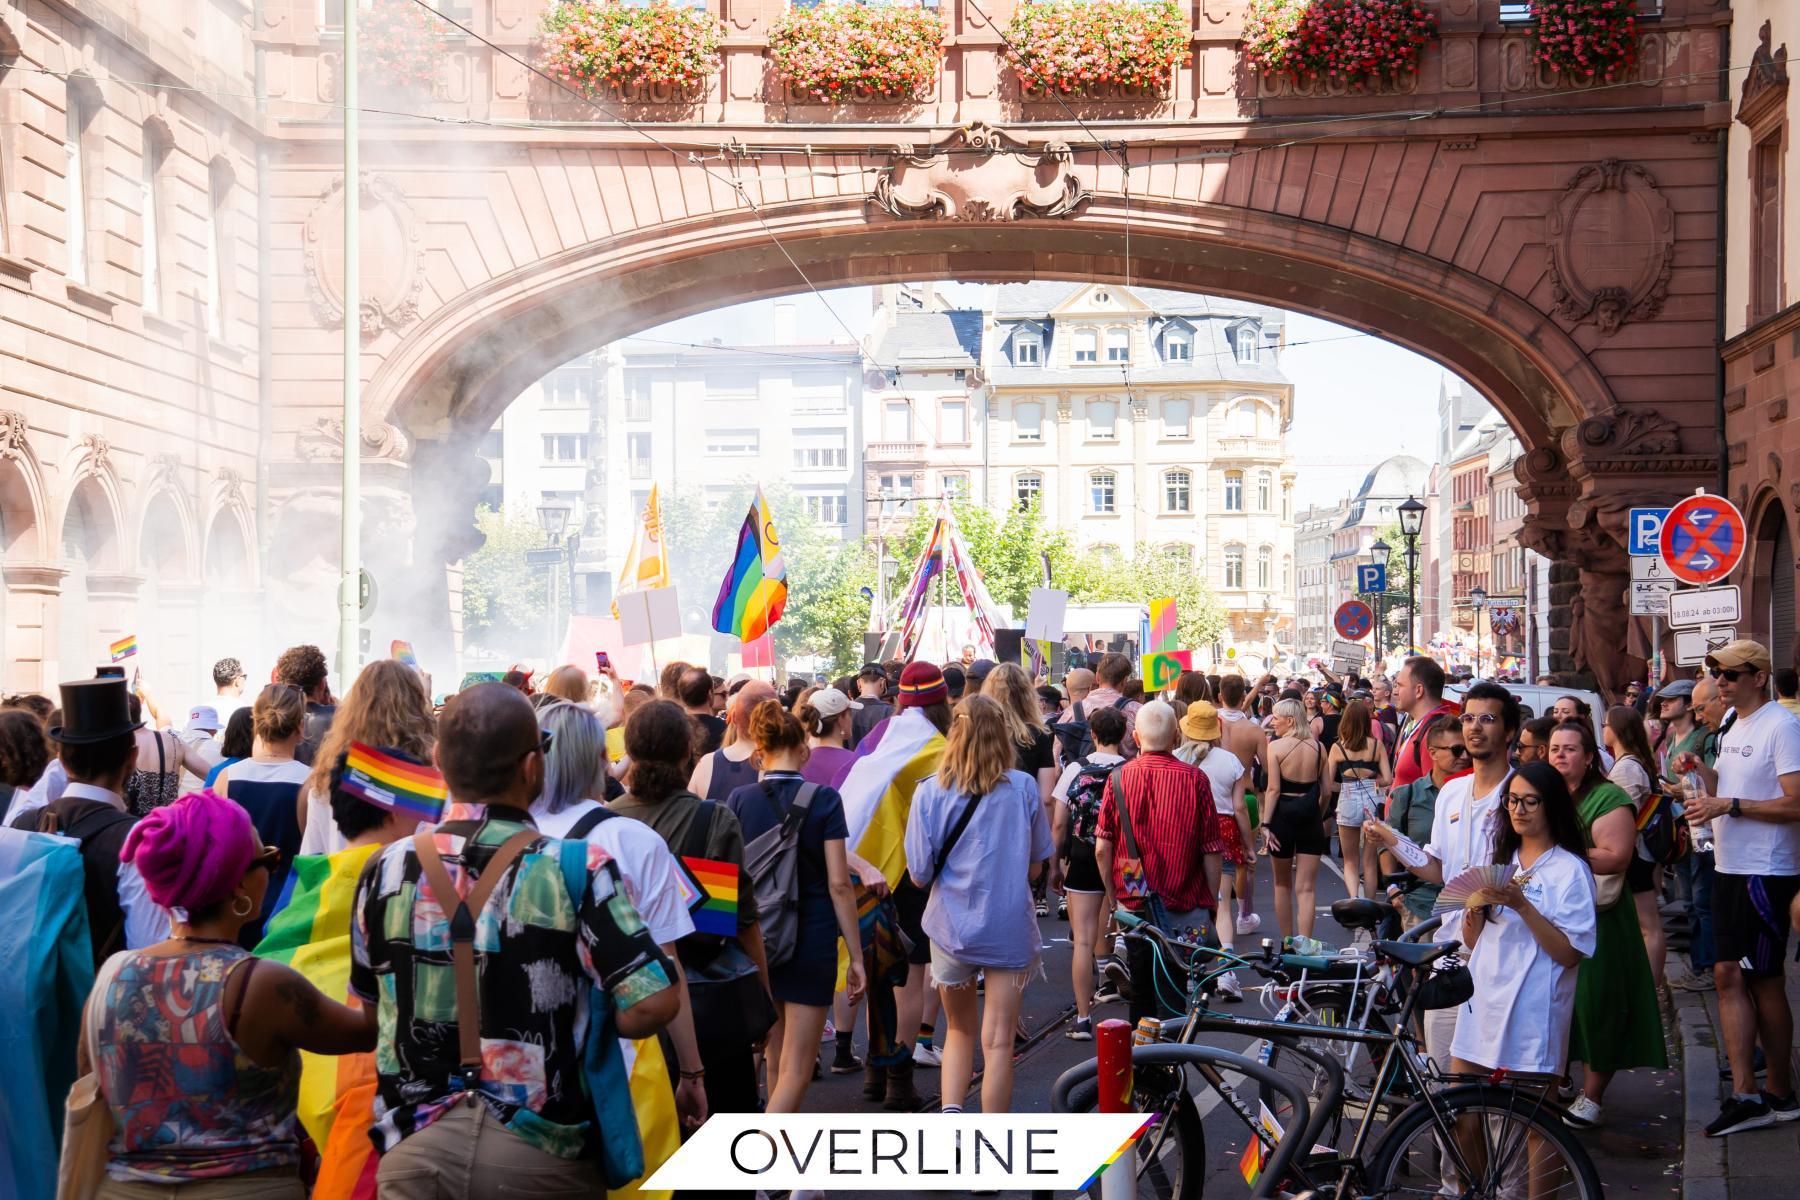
829,702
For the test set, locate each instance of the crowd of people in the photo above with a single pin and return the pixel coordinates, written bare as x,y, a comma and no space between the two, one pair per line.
381,945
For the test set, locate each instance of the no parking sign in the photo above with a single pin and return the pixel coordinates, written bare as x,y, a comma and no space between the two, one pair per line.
1353,620
1703,539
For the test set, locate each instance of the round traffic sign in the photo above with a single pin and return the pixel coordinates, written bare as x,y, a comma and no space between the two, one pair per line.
1703,539
1353,620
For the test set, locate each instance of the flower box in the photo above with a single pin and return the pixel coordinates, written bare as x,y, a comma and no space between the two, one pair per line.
843,52
400,45
1112,45
1359,44
1586,41
605,48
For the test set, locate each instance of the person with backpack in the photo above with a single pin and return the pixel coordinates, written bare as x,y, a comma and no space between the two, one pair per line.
977,837
503,1028
1073,740
1077,794
794,834
98,741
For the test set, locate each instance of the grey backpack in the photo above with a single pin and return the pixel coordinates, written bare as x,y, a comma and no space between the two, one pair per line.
772,861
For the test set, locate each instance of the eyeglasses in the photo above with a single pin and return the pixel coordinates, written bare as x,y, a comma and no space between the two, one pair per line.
545,737
1479,718
1457,751
1730,674
1523,803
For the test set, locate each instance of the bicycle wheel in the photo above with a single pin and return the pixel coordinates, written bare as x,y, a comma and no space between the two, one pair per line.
1511,1142
1171,1155
1331,1007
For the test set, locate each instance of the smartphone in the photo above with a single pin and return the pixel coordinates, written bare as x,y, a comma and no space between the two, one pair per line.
109,672
603,661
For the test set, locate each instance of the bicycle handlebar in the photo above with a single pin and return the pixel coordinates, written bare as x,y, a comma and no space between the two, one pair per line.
1286,1147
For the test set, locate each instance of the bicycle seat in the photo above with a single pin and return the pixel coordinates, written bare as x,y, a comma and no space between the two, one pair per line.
1416,954
1357,913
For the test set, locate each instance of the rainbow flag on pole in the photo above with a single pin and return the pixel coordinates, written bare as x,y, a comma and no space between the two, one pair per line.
124,648
755,589
392,782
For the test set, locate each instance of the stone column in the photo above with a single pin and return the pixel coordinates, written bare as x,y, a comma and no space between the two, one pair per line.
32,590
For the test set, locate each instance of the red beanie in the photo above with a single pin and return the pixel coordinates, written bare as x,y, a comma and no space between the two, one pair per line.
922,684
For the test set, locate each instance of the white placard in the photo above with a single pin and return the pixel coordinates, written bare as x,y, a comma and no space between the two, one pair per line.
1651,570
649,616
1650,597
1692,646
1704,606
1046,615
1354,652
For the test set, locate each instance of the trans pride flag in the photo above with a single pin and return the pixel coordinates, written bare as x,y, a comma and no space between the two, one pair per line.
755,589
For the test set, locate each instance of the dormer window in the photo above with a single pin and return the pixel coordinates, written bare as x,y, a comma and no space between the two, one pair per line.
1247,344
1028,350
1118,345
1178,347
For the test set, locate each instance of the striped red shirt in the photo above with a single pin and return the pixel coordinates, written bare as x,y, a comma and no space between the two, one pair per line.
1172,819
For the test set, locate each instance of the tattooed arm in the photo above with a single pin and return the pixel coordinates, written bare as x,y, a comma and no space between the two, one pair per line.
282,1010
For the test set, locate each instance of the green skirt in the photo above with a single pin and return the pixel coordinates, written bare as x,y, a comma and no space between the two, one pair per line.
1618,1025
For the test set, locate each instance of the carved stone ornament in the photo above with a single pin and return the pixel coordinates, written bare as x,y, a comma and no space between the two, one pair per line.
1766,82
97,452
323,441
1631,433
231,483
392,279
1612,246
12,434
979,173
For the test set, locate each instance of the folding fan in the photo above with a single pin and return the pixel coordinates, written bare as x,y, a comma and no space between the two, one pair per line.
1459,892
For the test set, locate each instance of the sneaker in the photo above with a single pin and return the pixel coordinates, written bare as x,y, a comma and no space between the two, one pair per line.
1785,1108
927,1056
1736,1115
1694,981
1043,908
830,1031
1106,993
1584,1113
1062,910
1230,989
1081,1031
843,1062
1248,923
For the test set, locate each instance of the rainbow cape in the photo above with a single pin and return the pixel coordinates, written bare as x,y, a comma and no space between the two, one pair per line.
392,782
124,648
755,589
310,932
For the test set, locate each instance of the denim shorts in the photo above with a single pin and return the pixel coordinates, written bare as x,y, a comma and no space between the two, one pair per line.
1357,801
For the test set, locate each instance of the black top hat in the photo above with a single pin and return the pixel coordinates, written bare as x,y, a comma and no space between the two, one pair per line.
94,710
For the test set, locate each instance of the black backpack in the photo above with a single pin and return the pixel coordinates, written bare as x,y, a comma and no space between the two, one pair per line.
1085,792
1072,734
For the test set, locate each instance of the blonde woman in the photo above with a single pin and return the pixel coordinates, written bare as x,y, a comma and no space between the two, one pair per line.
1294,834
569,682
977,830
266,785
387,706
1202,737
1034,746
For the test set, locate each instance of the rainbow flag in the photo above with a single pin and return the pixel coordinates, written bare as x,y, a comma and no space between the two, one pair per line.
718,912
403,652
124,648
1129,1142
310,932
755,589
392,782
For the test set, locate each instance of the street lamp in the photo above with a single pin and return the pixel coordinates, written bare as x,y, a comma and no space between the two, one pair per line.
553,515
1478,597
1380,552
1412,520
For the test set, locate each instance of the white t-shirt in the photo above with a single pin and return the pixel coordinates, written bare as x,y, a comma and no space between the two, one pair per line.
1523,1001
1462,833
656,885
1222,769
321,834
1630,775
1753,756
1096,759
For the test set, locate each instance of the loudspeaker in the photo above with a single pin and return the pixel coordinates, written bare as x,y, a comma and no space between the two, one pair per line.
1009,644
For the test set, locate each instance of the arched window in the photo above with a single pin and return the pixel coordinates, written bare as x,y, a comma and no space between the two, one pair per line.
1103,489
1234,567
1243,419
1178,492
1265,487
1247,340
1028,421
1118,345
1087,346
1234,491
1265,567
1103,419
1028,489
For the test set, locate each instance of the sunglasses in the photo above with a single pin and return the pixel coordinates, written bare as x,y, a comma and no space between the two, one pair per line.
1456,751
545,737
1524,803
1730,674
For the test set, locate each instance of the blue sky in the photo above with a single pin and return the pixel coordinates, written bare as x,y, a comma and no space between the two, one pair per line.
1357,399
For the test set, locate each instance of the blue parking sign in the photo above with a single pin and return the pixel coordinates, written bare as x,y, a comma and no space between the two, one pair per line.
1646,531
1371,578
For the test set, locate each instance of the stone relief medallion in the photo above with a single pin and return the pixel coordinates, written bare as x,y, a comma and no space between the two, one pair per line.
979,173
1612,246
392,280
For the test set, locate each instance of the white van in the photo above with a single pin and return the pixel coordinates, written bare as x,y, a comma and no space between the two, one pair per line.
1536,701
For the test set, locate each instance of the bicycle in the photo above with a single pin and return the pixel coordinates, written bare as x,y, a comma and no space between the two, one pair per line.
1462,1136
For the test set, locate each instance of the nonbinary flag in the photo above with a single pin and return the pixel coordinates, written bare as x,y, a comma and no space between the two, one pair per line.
755,589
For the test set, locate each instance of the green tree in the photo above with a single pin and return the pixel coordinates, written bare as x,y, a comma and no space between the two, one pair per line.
1393,625
1098,577
505,601
1006,549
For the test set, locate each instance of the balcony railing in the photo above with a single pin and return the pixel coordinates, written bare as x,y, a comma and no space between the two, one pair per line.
893,452
1247,447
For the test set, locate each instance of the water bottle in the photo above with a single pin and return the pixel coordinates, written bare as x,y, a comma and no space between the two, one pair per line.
1691,789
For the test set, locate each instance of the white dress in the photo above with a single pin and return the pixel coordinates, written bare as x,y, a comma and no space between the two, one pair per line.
1519,1016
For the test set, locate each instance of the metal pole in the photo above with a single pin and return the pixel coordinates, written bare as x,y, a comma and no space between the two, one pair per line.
350,550
1412,588
1112,1047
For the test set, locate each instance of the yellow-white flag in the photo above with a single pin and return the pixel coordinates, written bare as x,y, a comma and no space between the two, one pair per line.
647,565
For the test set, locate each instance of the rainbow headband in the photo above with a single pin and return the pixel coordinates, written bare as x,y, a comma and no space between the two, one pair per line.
389,781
